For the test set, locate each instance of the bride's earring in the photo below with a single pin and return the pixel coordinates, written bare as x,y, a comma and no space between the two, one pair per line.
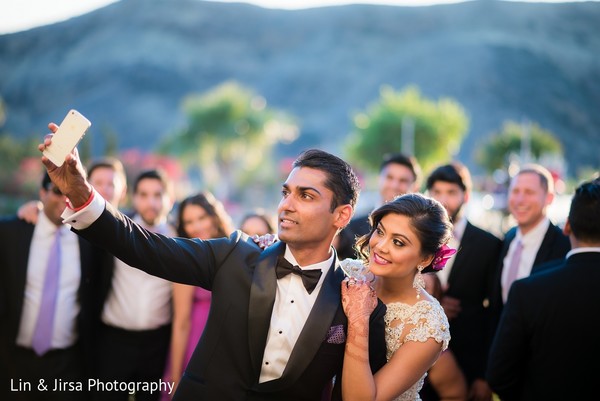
419,282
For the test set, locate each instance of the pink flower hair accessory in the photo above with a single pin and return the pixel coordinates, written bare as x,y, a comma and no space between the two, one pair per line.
442,256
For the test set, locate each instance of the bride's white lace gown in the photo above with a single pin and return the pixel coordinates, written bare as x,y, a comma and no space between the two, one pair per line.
423,320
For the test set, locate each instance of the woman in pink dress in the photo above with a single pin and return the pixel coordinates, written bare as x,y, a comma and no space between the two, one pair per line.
200,216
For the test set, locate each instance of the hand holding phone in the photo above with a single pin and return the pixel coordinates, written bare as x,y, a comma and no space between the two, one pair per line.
68,135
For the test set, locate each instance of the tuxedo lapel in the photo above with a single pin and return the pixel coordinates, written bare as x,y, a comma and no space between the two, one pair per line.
262,298
315,329
543,254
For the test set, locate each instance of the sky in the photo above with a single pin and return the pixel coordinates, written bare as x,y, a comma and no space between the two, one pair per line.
20,15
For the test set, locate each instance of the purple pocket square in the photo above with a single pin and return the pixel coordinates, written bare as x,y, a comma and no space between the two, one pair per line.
336,335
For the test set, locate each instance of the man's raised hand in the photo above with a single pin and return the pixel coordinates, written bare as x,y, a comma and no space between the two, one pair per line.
70,178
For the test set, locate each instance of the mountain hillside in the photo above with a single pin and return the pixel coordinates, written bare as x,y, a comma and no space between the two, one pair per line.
127,66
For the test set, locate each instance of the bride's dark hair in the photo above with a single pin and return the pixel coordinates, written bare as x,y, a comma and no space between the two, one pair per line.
427,216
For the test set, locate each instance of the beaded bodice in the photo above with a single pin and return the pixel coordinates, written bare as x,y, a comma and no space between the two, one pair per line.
418,322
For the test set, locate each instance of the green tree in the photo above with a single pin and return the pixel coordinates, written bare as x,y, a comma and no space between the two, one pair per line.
20,168
523,141
230,133
407,122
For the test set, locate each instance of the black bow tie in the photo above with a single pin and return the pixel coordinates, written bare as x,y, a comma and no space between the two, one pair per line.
310,278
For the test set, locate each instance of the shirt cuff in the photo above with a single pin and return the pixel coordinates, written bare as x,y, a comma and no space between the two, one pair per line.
84,217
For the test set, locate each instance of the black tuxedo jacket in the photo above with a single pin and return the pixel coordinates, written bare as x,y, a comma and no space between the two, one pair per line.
547,334
105,277
15,237
360,225
469,281
227,361
555,245
357,227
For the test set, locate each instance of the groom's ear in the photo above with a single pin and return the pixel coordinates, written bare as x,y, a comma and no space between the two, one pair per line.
343,214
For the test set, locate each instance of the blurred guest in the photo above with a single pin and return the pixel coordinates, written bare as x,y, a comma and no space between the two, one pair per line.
47,276
467,277
540,350
258,223
398,174
445,380
199,216
535,241
136,317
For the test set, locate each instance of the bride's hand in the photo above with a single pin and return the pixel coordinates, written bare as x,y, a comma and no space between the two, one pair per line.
265,241
358,299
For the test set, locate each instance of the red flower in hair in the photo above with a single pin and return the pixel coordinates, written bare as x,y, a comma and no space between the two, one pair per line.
442,256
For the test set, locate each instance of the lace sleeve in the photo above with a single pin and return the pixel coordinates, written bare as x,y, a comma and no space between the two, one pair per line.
429,322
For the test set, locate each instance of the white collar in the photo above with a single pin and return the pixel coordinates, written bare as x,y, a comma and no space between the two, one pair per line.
458,230
324,265
539,231
575,251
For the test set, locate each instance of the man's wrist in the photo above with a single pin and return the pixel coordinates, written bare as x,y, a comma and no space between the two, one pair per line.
80,199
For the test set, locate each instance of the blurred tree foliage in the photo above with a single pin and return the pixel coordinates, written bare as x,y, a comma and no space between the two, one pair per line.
20,169
20,172
386,125
2,112
501,146
229,135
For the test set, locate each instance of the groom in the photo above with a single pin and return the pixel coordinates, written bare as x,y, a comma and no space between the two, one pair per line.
267,336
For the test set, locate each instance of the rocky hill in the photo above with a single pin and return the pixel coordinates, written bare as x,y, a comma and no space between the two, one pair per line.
127,66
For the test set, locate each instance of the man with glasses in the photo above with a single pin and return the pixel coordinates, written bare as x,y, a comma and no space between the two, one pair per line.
46,278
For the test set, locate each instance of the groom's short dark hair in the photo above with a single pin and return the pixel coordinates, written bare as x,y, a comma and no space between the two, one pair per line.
341,179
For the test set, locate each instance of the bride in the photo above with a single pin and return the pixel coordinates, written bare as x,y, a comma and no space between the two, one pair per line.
408,235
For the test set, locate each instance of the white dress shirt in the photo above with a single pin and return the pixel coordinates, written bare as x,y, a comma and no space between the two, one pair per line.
290,311
457,234
531,244
64,332
137,300
583,249
84,218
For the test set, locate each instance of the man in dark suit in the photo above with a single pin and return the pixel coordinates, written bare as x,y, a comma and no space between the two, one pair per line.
23,291
545,343
466,277
399,174
534,242
270,335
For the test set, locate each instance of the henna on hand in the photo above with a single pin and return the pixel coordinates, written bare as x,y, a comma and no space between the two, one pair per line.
358,299
265,241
